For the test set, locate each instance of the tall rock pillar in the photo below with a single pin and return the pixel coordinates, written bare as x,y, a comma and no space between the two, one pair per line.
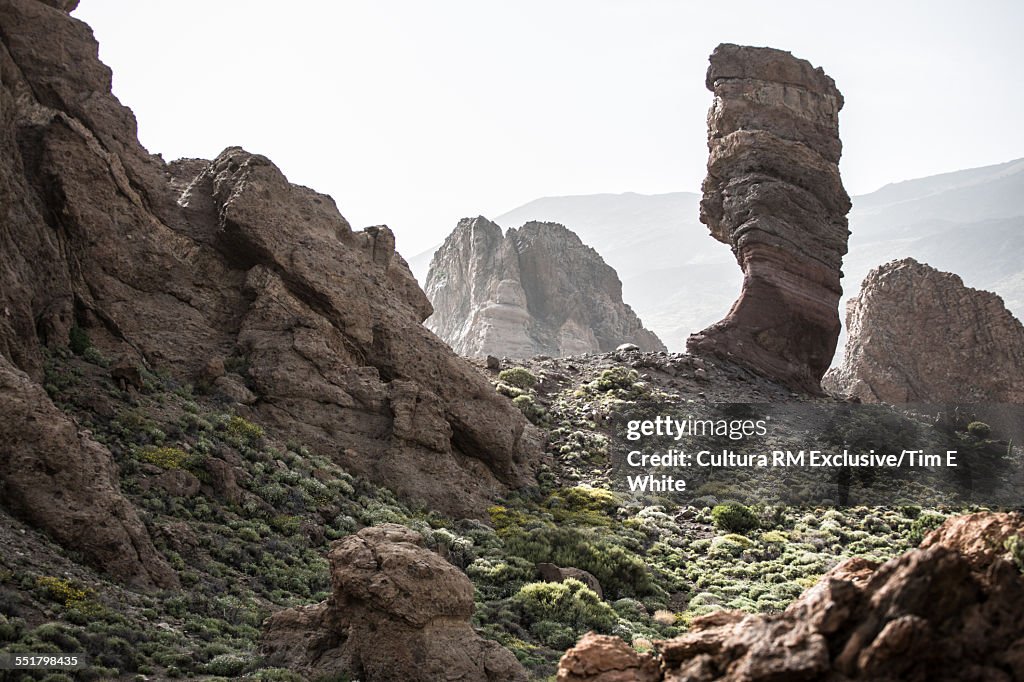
773,193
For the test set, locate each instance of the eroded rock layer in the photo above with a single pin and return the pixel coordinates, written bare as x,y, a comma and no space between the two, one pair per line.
397,612
535,290
773,193
220,273
919,335
949,610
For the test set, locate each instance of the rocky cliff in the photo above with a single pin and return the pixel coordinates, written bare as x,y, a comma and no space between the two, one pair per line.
949,610
918,335
535,290
220,274
773,193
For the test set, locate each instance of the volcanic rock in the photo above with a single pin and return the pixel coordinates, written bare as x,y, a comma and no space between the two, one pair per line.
536,290
773,193
397,612
949,610
555,574
170,265
59,479
918,335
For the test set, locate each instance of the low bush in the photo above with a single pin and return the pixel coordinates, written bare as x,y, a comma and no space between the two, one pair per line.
734,518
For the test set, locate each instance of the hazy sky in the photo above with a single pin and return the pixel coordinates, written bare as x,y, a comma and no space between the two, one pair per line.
415,113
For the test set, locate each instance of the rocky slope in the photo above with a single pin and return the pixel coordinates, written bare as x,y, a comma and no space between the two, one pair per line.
773,192
224,275
535,290
949,610
918,335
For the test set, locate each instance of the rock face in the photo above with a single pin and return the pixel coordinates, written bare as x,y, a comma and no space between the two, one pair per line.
61,480
774,194
950,610
917,334
536,290
397,612
199,264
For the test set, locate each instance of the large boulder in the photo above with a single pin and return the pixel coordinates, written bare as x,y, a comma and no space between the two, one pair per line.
397,612
949,610
919,335
773,193
535,290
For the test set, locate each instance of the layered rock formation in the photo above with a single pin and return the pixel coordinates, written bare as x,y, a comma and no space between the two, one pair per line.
536,290
397,612
950,610
918,335
774,194
199,264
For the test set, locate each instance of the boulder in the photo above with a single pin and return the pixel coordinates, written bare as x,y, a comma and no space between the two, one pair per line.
919,335
397,612
773,193
553,574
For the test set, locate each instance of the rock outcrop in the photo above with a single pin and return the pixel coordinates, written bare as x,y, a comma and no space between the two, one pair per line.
536,290
195,264
773,193
918,335
949,610
397,612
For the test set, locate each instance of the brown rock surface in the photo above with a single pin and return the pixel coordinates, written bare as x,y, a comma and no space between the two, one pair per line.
535,290
949,610
59,479
774,194
174,265
603,658
397,612
919,335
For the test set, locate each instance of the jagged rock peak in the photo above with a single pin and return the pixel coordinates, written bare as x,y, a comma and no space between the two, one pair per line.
773,193
919,335
195,264
949,610
397,611
535,290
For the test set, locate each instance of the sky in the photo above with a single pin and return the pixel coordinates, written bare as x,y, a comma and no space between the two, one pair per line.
415,114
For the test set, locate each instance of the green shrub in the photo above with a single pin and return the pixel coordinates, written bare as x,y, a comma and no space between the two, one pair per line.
569,603
922,525
979,430
165,457
615,378
243,430
520,377
622,573
228,665
1015,546
554,635
733,517
530,409
78,340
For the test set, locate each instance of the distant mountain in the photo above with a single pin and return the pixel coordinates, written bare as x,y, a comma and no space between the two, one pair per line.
679,280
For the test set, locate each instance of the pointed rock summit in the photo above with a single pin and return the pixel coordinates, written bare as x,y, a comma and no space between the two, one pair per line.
919,335
773,193
536,290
